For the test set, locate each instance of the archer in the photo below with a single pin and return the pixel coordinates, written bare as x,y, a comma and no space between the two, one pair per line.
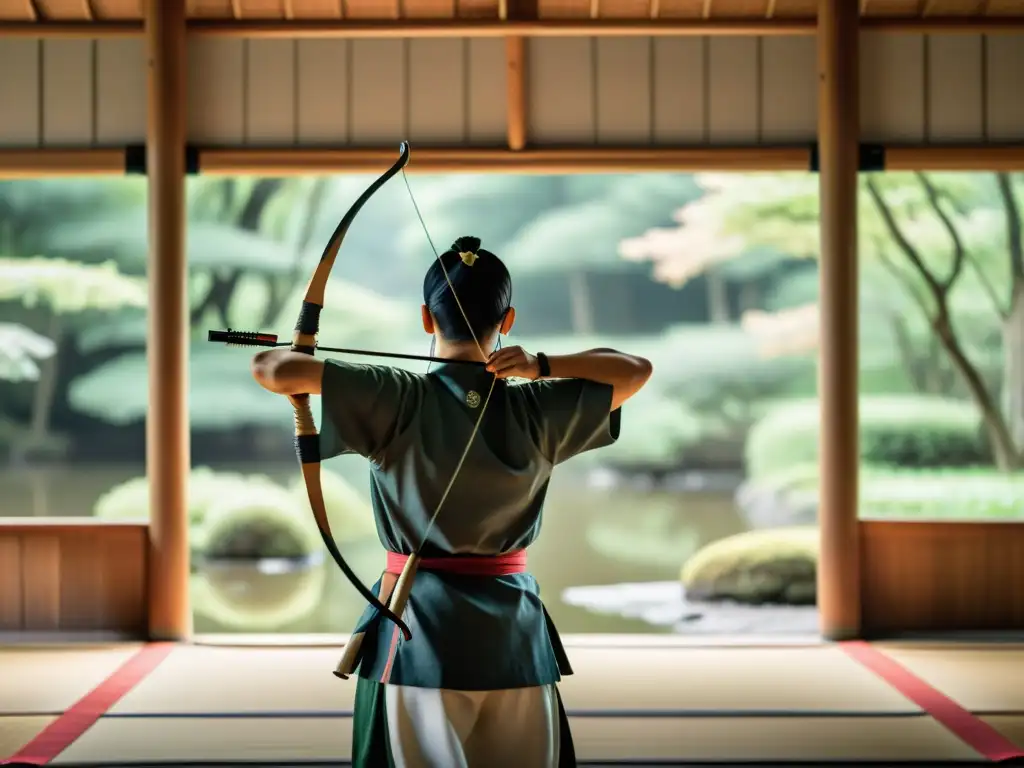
475,681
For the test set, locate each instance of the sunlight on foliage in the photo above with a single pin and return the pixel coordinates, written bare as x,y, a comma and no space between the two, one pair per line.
66,286
20,348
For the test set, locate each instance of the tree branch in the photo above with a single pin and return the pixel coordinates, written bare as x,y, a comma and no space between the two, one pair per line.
1014,238
959,254
937,288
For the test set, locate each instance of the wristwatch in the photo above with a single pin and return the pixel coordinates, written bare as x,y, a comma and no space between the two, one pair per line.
543,365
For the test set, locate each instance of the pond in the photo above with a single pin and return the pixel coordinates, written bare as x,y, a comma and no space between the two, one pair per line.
597,534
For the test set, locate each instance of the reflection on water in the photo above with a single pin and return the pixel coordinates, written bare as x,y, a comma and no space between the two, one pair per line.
592,536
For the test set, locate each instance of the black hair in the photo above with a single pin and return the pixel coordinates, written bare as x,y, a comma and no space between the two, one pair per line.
483,287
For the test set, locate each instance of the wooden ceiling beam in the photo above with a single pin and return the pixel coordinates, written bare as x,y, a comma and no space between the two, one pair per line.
430,28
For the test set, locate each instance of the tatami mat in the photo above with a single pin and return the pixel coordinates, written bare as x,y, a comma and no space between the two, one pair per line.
207,679
18,730
1011,726
978,679
119,740
48,680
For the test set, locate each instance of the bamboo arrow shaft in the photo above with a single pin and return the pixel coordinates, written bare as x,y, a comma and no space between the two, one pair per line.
246,339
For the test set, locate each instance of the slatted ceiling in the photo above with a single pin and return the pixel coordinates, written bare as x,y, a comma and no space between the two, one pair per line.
899,8
737,9
793,9
258,10
478,9
58,10
115,10
627,9
680,9
1004,108
372,9
108,10
429,9
564,9
316,9
952,8
210,9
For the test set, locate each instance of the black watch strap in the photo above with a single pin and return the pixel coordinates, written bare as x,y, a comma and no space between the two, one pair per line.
543,365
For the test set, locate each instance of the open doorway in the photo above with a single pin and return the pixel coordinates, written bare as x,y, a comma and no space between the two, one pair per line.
699,522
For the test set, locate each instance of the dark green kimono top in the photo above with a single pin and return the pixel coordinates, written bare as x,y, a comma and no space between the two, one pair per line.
469,632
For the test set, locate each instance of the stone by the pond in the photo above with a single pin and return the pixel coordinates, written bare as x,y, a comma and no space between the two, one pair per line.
664,605
774,566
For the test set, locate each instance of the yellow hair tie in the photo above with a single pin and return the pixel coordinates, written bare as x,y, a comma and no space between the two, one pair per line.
468,258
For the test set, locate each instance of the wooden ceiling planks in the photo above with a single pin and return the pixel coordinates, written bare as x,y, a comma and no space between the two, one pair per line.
98,11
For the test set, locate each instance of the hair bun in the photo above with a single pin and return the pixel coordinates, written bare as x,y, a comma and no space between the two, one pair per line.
466,244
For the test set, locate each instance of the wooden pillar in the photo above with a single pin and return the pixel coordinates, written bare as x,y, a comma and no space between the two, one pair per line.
838,137
167,437
515,71
515,74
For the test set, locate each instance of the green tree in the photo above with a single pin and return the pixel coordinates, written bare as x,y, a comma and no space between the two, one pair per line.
57,291
937,237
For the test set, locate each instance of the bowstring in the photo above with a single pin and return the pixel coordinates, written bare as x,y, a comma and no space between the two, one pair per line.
483,354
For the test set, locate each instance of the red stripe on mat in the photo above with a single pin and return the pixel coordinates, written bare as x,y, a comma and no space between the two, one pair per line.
975,732
83,714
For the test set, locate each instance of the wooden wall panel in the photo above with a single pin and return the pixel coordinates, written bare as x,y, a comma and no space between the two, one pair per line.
941,577
1004,68
892,75
734,103
72,576
346,92
954,98
789,89
216,91
71,92
488,105
561,96
120,91
680,90
438,93
271,89
380,72
624,84
916,89
324,83
20,117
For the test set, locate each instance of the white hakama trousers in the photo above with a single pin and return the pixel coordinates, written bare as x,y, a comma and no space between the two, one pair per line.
440,728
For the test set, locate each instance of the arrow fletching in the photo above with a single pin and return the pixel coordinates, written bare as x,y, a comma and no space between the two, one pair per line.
243,338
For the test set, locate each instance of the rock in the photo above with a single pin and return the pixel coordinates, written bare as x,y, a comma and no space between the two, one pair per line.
773,566
257,523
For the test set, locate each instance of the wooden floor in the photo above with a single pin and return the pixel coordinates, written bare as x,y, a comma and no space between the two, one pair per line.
130,704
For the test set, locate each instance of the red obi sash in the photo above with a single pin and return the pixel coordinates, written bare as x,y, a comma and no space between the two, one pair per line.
465,565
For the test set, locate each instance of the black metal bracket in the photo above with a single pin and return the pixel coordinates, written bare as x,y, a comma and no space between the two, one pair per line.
872,158
135,160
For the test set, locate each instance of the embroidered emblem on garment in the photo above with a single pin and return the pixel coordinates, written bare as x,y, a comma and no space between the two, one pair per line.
473,399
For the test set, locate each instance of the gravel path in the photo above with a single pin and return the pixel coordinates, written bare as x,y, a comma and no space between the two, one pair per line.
662,604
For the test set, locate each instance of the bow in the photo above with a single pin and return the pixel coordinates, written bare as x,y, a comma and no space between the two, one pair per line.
307,438
403,587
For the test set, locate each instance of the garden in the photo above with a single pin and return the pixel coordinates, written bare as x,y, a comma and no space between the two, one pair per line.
713,277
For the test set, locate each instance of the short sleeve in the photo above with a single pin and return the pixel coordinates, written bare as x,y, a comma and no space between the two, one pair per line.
573,416
364,408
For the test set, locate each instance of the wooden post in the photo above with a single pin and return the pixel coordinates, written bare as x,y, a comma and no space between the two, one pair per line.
515,74
515,70
838,137
167,436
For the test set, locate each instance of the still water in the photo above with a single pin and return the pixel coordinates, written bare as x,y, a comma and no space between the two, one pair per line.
591,536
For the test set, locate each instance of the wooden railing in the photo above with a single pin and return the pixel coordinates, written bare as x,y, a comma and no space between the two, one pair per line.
941,576
72,575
